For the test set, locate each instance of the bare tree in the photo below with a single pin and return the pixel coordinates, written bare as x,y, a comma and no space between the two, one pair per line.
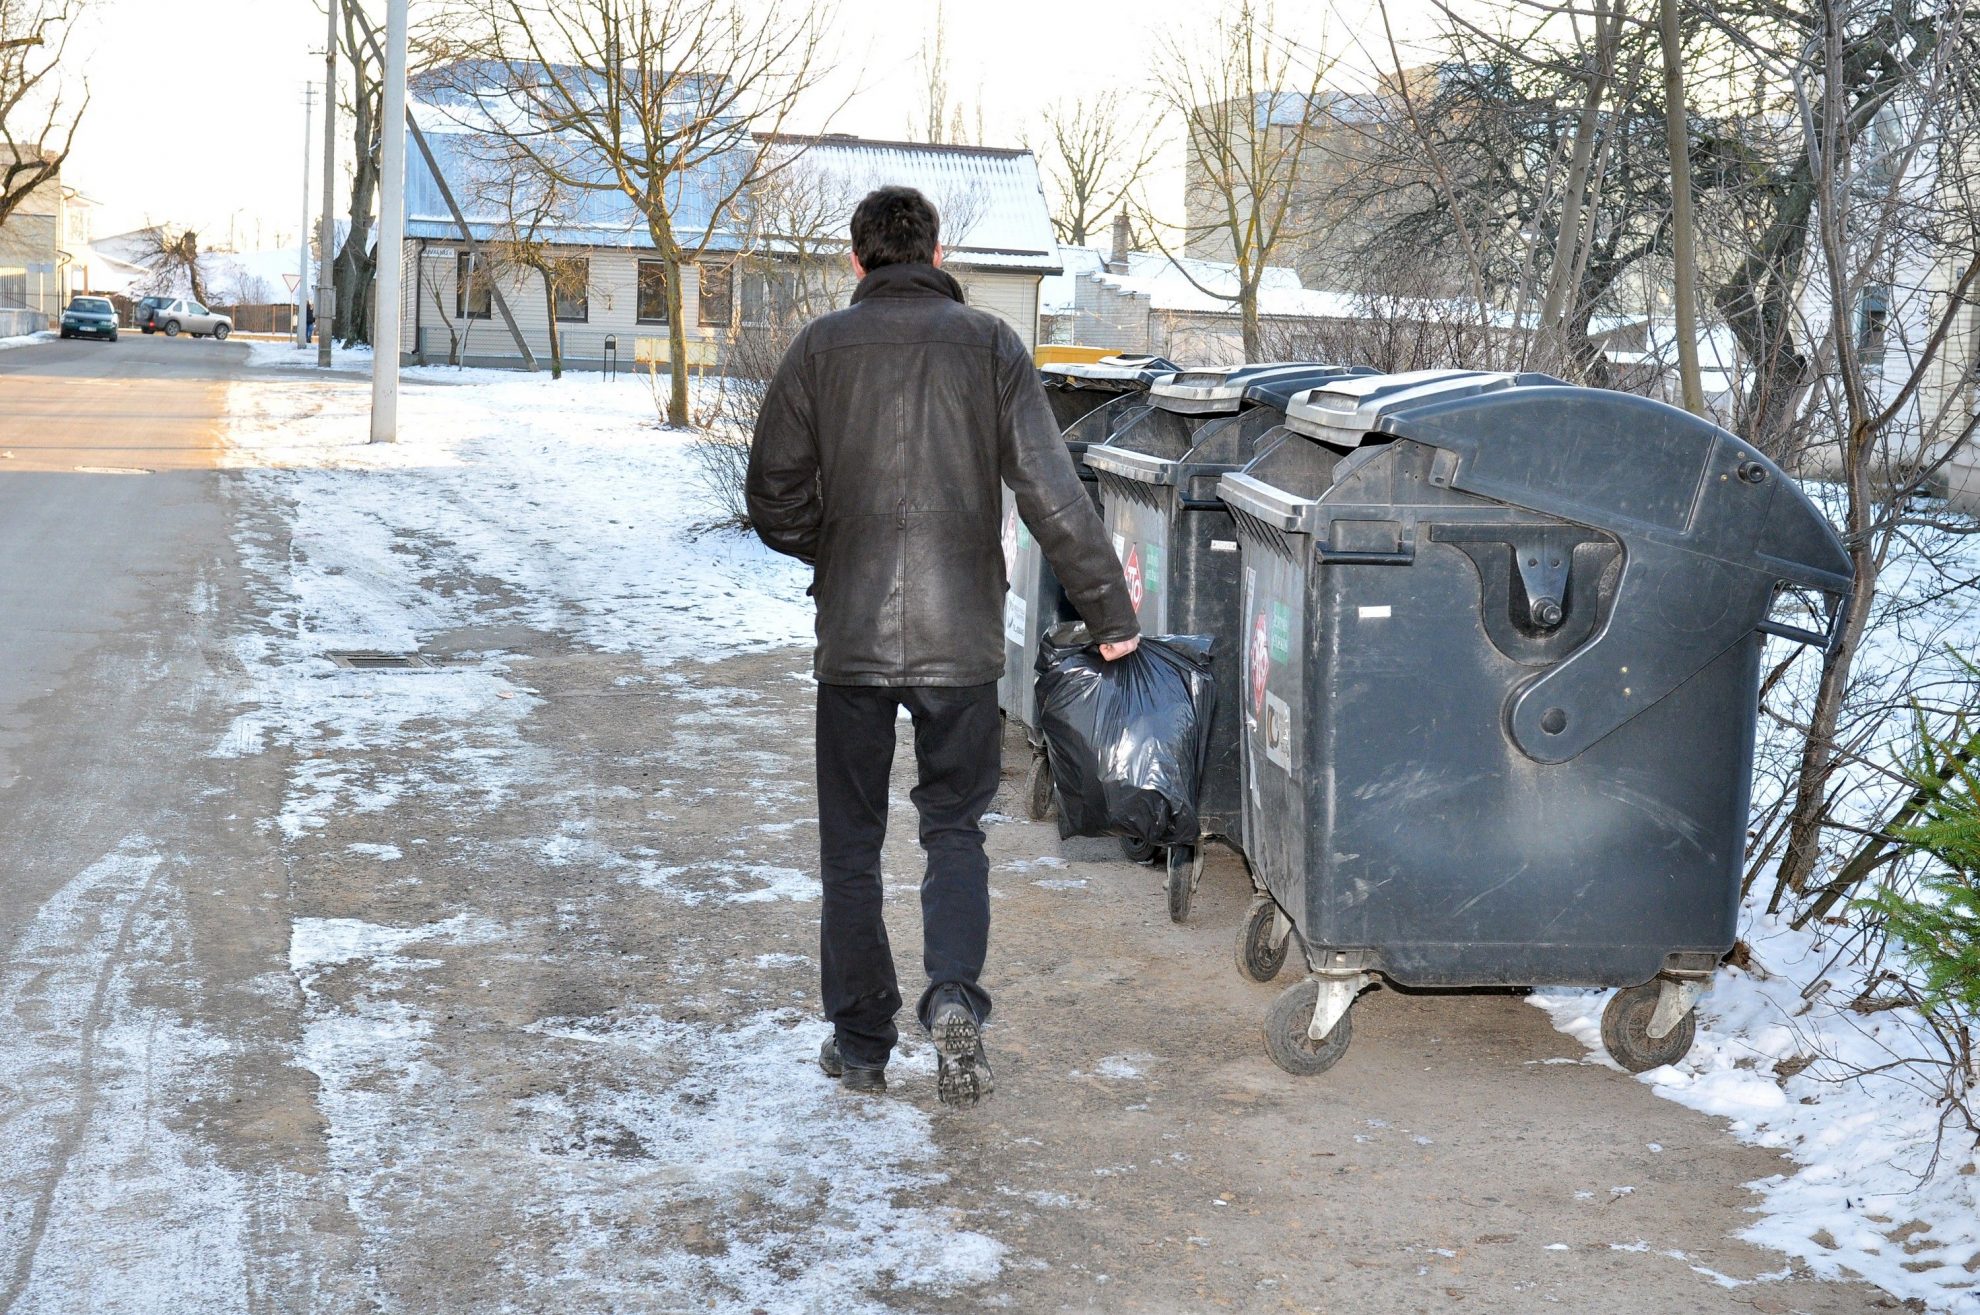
37,127
1251,104
943,117
356,259
1094,157
650,101
1530,168
174,261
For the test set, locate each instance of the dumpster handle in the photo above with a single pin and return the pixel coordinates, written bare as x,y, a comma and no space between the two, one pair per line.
1813,638
1827,640
1351,557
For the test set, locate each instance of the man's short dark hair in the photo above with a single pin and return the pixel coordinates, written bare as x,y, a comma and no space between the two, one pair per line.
895,226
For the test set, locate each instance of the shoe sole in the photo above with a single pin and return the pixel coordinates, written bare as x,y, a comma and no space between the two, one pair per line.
956,1080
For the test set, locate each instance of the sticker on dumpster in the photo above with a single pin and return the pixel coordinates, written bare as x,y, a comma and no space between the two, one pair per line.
1014,618
1151,570
1024,536
1120,547
1010,542
1132,569
1378,613
1261,663
1278,731
1281,632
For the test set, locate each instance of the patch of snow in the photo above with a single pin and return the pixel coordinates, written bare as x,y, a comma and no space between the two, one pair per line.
115,1203
28,339
1865,1143
564,491
383,853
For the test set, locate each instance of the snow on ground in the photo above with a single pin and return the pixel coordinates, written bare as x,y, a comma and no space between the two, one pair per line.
89,1144
565,491
28,339
1849,1096
569,511
1782,1056
271,352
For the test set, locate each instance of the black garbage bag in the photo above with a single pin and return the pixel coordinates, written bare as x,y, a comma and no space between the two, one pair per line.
1127,740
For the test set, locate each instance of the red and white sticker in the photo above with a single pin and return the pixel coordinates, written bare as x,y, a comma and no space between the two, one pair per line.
1261,661
1010,543
1132,569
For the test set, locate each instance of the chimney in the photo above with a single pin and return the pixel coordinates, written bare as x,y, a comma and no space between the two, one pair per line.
1118,263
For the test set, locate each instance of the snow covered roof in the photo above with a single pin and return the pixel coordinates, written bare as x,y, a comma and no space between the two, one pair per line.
991,199
1183,284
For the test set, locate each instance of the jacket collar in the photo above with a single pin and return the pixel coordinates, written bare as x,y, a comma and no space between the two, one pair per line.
907,281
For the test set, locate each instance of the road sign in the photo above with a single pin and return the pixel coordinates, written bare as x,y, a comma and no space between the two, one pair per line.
292,280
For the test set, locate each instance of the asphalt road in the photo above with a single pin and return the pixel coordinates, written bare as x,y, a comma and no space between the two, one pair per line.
107,496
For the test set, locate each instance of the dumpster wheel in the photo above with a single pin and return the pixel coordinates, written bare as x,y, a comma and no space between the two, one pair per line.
1038,788
1139,851
1286,1039
1185,870
1262,941
1626,1030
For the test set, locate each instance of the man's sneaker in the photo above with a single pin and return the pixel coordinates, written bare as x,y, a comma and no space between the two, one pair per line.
853,1077
963,1074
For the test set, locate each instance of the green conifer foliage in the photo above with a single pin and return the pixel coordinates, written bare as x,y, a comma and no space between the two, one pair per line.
1938,921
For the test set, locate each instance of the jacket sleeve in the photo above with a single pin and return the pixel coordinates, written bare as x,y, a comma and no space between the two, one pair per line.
785,506
1053,501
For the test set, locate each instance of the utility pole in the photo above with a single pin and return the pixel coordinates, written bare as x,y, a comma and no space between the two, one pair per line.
302,234
326,274
391,231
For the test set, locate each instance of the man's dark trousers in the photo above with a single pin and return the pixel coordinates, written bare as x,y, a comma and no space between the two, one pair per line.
957,742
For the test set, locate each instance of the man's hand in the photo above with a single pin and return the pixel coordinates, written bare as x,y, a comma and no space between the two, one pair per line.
1115,652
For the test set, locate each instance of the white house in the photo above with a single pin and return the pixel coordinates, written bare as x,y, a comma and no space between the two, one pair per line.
997,235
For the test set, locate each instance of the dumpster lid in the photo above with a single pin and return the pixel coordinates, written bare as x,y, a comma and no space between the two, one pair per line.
1710,529
1225,389
1345,410
1118,373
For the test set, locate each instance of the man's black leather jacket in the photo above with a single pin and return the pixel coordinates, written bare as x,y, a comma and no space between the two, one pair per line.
878,454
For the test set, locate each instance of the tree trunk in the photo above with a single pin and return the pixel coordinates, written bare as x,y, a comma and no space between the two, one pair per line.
1248,316
356,261
1567,239
550,318
1684,238
1818,754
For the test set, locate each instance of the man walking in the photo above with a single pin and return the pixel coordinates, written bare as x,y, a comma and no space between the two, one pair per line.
878,455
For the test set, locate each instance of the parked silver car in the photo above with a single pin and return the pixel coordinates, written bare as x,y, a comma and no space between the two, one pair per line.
185,315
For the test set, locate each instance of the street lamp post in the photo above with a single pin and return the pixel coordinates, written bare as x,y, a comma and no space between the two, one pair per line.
391,232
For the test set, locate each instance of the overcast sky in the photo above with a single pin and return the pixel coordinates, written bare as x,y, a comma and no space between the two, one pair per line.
196,112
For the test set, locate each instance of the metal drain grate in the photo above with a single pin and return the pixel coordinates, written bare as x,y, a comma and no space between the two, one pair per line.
362,660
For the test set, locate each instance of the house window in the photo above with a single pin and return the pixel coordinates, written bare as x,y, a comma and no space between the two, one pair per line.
1873,317
13,286
652,292
769,296
473,292
570,279
717,296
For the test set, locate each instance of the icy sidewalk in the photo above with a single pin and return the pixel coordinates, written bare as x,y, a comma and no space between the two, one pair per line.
529,1066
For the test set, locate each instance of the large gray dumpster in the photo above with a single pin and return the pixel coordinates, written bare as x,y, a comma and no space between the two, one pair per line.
1158,479
1091,400
1502,659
